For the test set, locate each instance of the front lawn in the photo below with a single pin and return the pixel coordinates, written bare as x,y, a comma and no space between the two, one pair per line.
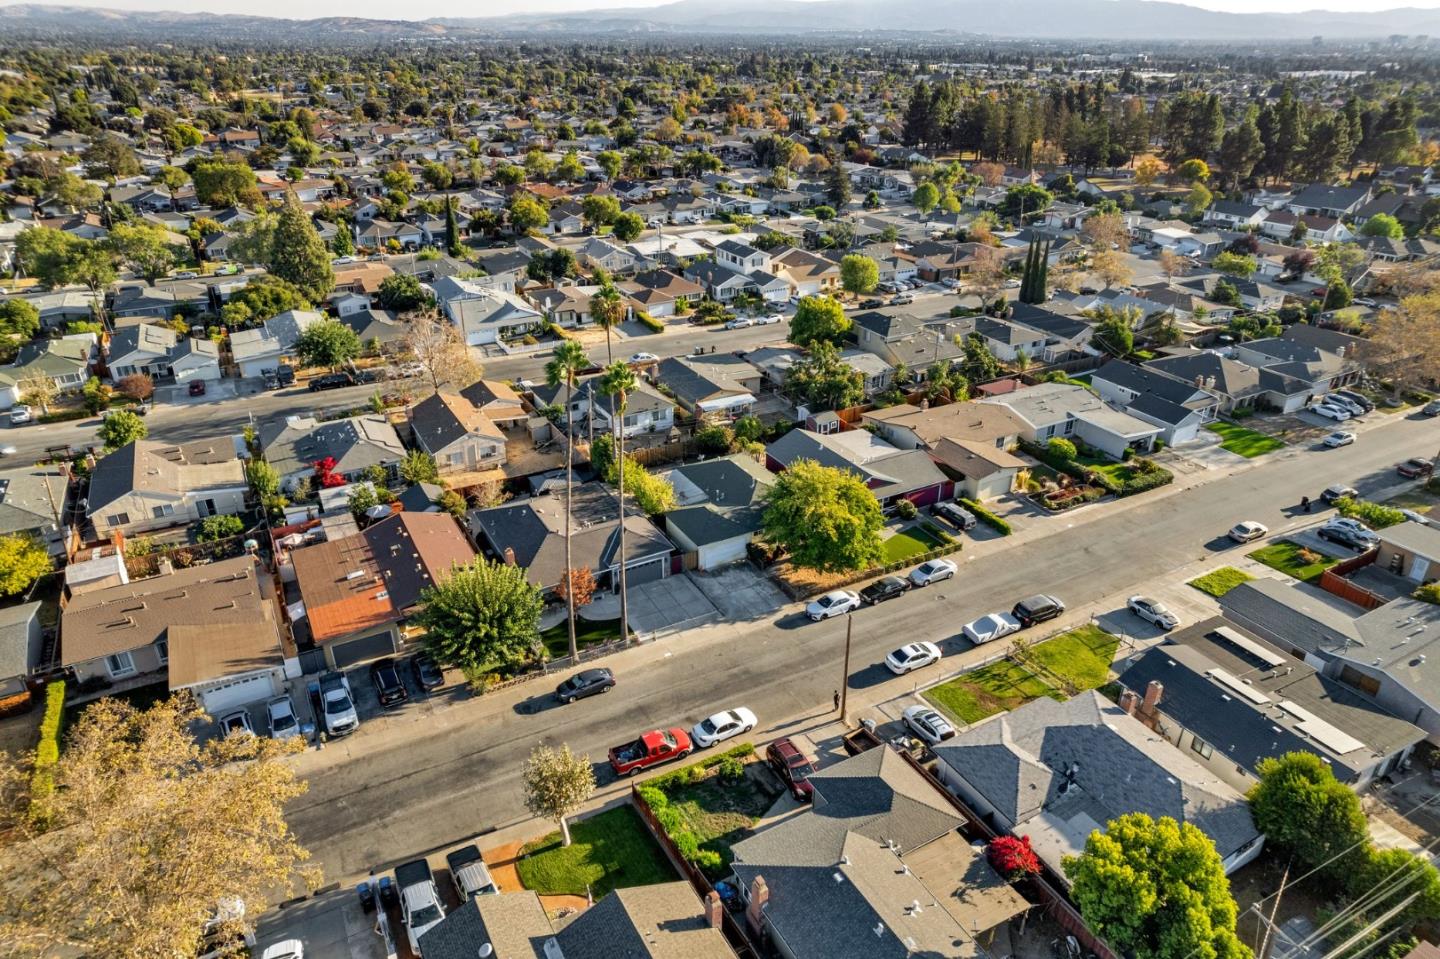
1220,581
609,850
911,541
1244,442
1292,559
992,689
723,813
587,633
1081,657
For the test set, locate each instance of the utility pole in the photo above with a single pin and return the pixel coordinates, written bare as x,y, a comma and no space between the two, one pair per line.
845,676
1270,923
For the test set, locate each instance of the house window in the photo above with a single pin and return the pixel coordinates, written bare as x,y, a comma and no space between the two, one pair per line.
457,459
120,665
1201,747
120,519
165,510
162,650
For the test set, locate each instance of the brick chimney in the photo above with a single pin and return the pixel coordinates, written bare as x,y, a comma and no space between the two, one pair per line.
1129,701
510,557
713,909
754,913
1153,692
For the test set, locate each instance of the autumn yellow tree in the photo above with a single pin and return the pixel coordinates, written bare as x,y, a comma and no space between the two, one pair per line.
146,833
1405,342
436,345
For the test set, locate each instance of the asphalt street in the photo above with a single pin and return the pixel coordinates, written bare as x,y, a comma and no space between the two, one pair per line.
438,775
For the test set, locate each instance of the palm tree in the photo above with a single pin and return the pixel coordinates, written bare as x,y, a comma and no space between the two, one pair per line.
618,381
565,368
608,309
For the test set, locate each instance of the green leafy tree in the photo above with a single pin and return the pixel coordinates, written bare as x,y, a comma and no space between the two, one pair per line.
220,527
297,253
121,428
980,365
824,380
564,370
527,213
1062,449
419,466
45,254
1301,807
1198,200
23,560
263,298
825,518
97,394
453,245
1234,264
925,197
328,343
1193,171
1383,224
858,273
263,479
557,784
402,293
627,227
219,184
144,249
818,318
600,209
1114,334
484,615
1156,890
19,318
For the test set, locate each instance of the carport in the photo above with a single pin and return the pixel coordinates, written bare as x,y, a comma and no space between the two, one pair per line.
352,652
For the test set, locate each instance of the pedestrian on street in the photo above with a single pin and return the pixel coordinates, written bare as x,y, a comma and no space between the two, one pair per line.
837,700
1305,503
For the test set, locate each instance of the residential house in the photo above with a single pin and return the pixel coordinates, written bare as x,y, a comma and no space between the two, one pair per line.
1234,215
498,401
724,384
1231,700
356,592
378,326
379,234
1057,772
646,409
718,508
1325,200
483,314
1060,409
460,437
1009,341
877,374
1065,336
808,274
1410,551
1281,224
891,474
148,485
32,503
913,427
1396,660
982,471
356,444
64,362
271,343
1320,369
599,253
162,354
1239,386
1177,406
148,300
661,292
213,629
530,533
21,646
567,306
898,336
1300,621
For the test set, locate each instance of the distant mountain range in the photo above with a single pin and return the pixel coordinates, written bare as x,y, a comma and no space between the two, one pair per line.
1018,19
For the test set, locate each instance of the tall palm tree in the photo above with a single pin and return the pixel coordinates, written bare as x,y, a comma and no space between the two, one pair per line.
618,381
608,309
565,368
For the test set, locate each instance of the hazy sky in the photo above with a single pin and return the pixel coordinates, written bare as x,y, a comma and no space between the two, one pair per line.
387,9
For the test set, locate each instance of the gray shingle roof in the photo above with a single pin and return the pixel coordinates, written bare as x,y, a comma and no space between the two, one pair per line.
1290,616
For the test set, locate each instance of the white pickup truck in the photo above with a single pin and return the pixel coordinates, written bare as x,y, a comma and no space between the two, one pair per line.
420,905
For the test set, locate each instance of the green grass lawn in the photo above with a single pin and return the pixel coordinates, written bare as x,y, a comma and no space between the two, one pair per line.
557,637
1292,559
989,690
1244,442
1220,581
1081,657
722,814
911,541
609,850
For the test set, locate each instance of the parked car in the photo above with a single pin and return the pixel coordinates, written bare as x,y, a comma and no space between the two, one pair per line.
338,705
770,319
1339,438
887,587
196,388
721,726
912,656
1152,611
652,748
644,358
20,414
470,874
834,603
1037,609
1415,468
285,949
588,682
1247,531
236,723
958,515
186,275
928,724
1343,402
389,687
331,381
794,770
1330,412
1431,408
428,675
902,299
272,382
1338,491
990,627
871,304
932,571
8,450
1344,534
740,323
280,715
285,374
420,906
1359,399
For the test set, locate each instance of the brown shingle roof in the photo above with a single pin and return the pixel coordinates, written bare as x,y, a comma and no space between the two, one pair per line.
203,652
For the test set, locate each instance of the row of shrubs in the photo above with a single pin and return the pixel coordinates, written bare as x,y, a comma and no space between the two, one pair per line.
656,794
987,517
1373,515
47,753
649,322
1148,473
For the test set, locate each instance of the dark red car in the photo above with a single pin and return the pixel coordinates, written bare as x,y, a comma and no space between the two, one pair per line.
794,770
197,387
1415,468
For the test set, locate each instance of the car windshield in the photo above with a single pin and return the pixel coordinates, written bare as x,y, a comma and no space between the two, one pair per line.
282,720
424,916
708,727
669,740
338,704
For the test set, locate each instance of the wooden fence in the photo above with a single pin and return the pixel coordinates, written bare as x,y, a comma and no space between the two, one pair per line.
1336,580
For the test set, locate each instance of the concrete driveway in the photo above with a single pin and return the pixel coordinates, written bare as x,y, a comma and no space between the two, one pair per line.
332,925
664,605
740,592
216,391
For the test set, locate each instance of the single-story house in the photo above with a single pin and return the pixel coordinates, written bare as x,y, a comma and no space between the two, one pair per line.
148,485
356,444
32,503
1239,385
21,645
718,507
460,437
890,473
1178,407
982,470
713,384
1060,409
646,409
263,347
162,354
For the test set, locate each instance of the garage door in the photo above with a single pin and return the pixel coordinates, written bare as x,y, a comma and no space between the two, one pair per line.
223,697
362,650
646,572
718,554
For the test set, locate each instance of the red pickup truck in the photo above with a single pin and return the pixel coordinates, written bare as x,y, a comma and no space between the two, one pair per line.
651,749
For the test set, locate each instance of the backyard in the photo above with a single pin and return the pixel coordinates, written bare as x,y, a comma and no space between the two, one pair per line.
1242,441
1220,581
608,850
1292,559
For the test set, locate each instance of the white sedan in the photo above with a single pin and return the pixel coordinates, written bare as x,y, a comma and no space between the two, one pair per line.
928,724
912,656
770,320
1152,611
835,603
1330,412
1247,531
1339,438
992,627
740,323
281,715
644,358
932,571
721,726
8,450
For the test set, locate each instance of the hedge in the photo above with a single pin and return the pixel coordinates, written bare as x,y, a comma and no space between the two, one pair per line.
1373,515
47,753
987,517
653,794
649,322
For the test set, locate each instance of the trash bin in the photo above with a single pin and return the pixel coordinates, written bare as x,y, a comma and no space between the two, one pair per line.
389,895
367,896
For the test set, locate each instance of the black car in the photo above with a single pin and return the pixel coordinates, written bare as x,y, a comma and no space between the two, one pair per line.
1037,609
428,675
388,684
331,381
285,374
882,589
871,304
588,682
1359,399
1356,539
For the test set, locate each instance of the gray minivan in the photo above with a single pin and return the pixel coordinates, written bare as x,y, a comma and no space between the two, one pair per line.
961,517
1037,609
